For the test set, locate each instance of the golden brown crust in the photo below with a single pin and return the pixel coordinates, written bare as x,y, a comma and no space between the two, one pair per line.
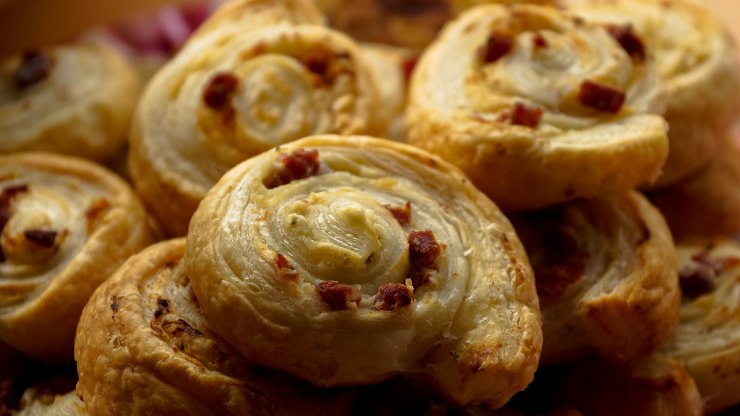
77,100
143,347
67,225
407,23
373,246
606,277
707,339
525,99
258,74
696,58
706,204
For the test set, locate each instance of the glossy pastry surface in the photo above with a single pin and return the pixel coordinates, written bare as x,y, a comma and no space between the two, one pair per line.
143,347
346,260
525,99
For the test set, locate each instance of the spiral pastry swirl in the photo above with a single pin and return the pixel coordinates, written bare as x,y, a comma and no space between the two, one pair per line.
525,99
696,58
66,225
245,83
76,100
345,260
606,277
146,317
707,339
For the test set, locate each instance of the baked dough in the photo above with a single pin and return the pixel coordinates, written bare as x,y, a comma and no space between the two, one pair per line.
75,99
257,74
652,386
344,260
144,348
708,203
606,277
707,338
55,397
66,225
538,107
391,68
407,23
697,60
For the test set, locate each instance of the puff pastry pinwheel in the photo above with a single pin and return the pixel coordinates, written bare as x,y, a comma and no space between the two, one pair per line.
391,69
606,277
54,397
75,99
697,60
256,75
537,106
707,203
66,224
707,339
144,348
344,260
408,23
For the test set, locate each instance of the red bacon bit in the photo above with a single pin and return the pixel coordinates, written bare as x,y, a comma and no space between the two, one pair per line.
423,248
524,115
702,275
285,269
601,97
42,238
407,67
298,164
34,68
631,43
552,281
497,45
401,214
392,296
337,296
219,90
316,63
539,41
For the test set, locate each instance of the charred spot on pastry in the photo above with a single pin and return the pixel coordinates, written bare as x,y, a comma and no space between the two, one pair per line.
401,214
629,40
163,307
497,45
180,326
285,270
316,63
219,90
41,238
524,115
114,303
601,97
94,211
392,296
337,296
423,248
6,198
35,66
296,165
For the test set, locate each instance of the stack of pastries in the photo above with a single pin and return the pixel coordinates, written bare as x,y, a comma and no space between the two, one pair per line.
476,207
